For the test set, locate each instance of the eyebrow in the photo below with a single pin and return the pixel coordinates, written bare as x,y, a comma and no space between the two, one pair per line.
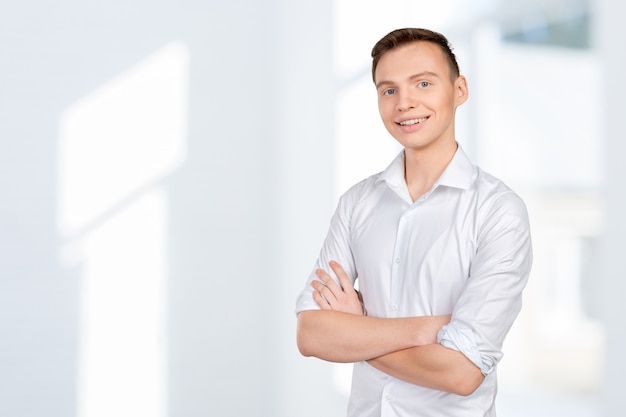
412,77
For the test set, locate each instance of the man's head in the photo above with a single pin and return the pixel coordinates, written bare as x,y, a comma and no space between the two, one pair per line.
418,87
405,36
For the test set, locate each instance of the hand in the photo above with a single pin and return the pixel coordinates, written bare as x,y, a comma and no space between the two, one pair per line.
331,296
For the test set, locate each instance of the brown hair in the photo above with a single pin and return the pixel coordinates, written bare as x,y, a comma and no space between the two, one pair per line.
401,37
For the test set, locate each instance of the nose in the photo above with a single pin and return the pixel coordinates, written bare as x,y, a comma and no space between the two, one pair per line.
406,101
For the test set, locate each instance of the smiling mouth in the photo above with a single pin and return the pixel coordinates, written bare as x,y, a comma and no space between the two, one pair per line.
412,122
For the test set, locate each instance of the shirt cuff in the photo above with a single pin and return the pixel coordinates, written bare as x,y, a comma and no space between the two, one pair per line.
464,341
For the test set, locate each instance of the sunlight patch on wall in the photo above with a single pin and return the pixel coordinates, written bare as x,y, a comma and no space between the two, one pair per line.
117,145
122,353
123,136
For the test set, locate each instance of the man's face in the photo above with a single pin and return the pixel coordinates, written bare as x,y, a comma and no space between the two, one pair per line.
416,97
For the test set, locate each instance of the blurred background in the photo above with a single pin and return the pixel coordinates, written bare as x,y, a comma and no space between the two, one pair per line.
168,170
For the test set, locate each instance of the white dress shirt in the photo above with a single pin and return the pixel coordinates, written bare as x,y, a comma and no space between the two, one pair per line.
463,248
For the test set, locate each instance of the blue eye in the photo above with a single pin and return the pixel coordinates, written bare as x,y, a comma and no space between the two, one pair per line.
389,91
423,84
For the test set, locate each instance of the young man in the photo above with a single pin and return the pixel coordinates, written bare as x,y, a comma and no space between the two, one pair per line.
441,251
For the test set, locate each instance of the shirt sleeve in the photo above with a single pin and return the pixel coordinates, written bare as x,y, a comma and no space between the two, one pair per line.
492,297
336,247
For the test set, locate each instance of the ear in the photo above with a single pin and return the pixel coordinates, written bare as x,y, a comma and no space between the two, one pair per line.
461,91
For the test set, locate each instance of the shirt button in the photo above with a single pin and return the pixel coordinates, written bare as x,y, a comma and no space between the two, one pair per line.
395,307
397,260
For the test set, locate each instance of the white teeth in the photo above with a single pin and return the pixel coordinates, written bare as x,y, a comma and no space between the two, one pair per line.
413,121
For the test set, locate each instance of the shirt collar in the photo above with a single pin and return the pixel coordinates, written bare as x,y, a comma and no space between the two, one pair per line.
458,174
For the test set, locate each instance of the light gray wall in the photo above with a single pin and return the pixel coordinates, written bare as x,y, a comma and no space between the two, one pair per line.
610,33
247,210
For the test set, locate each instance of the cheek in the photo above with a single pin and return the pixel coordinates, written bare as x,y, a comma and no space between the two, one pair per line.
385,108
446,103
382,112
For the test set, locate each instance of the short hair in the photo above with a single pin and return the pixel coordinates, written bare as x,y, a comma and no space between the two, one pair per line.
405,36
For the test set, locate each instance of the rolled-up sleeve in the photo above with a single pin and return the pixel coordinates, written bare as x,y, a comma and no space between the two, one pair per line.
492,297
336,247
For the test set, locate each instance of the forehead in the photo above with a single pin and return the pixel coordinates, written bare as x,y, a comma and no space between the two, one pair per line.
412,58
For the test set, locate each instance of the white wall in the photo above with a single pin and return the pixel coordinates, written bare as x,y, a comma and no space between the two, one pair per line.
209,248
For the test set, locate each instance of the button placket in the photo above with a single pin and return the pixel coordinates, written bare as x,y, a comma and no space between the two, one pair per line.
399,250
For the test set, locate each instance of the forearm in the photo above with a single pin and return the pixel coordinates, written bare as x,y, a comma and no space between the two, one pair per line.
341,337
432,366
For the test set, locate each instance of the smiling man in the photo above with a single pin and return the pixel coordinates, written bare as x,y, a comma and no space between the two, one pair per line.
441,251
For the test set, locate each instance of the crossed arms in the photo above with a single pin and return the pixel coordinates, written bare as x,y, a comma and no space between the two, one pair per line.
405,348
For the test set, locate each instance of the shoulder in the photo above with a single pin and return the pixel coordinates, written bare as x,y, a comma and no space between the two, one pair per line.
495,198
360,191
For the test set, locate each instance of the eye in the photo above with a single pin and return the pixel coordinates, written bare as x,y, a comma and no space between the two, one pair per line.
389,91
423,84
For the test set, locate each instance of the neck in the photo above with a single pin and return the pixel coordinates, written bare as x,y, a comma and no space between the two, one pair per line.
423,167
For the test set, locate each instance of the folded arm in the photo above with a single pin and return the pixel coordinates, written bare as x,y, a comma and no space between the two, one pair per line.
405,348
432,366
336,336
340,332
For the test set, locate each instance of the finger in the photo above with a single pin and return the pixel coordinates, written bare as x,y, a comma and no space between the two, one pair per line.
320,300
317,285
344,279
331,290
349,297
322,290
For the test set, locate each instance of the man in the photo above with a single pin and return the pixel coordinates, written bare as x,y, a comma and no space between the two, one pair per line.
441,251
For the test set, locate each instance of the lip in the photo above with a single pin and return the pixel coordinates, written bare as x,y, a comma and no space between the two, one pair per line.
411,128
